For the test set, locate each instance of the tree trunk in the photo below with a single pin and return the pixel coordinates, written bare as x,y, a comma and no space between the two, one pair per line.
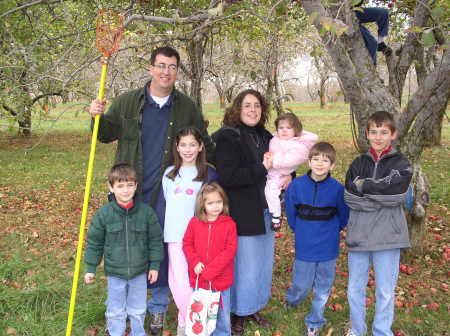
417,217
322,95
24,121
433,137
196,50
367,94
278,104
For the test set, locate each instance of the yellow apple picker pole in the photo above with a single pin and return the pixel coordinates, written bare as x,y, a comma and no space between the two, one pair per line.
108,35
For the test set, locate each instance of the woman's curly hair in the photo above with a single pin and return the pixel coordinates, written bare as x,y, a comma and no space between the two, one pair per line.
232,116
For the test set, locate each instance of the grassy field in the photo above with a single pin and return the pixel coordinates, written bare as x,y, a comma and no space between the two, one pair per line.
41,192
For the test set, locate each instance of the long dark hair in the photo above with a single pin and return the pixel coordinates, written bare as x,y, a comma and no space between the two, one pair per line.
200,162
232,117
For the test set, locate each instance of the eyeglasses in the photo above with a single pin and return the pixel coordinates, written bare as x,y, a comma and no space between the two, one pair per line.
163,66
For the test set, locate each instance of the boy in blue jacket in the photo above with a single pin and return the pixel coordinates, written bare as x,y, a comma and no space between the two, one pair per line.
375,190
316,212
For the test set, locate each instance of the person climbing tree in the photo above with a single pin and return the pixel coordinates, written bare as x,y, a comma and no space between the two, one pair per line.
381,17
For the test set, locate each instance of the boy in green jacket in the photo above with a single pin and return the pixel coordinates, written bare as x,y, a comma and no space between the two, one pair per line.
129,237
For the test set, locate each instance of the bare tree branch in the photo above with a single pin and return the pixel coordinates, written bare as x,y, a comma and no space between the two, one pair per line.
434,90
159,19
29,4
398,66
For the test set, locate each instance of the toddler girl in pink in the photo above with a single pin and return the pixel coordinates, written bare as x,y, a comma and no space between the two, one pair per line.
288,149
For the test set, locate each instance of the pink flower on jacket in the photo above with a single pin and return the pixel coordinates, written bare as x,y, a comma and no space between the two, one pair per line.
189,191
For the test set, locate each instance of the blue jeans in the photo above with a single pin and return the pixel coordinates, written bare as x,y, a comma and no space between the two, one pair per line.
223,326
381,17
318,276
159,300
126,298
386,266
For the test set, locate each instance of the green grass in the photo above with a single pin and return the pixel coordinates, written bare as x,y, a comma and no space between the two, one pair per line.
41,194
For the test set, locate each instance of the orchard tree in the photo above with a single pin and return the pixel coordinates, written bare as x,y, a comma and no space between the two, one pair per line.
324,68
224,69
423,46
48,47
42,45
268,43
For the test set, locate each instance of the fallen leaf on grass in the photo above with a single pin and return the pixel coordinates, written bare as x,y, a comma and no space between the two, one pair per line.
91,332
433,306
11,331
336,307
13,284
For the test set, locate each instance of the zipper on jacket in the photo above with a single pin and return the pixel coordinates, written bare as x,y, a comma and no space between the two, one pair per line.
315,193
126,243
374,175
209,236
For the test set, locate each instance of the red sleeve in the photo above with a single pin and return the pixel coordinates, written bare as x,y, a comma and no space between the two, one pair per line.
217,265
188,245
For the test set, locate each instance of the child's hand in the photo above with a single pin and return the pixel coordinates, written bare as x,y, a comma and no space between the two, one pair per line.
199,268
89,278
358,183
268,160
286,180
152,276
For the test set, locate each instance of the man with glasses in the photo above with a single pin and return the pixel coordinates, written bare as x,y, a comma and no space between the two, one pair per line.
144,121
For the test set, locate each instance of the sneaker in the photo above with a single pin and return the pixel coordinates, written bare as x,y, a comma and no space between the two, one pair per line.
289,306
276,223
157,323
350,333
181,330
312,332
384,48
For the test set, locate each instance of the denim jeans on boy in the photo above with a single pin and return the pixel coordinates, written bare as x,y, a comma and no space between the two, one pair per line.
381,17
159,300
386,266
223,326
126,298
318,276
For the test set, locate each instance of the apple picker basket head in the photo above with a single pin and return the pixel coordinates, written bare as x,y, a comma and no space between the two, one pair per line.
109,31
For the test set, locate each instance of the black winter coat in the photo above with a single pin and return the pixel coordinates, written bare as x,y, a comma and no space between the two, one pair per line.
243,176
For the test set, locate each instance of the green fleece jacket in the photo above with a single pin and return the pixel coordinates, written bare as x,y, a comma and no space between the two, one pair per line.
123,122
130,240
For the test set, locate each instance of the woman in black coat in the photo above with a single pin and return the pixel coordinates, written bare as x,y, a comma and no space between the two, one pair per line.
242,169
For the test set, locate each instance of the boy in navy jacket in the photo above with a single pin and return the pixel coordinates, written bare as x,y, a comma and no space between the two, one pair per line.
316,212
375,190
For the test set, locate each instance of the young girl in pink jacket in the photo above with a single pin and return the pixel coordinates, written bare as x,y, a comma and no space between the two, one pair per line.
288,149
